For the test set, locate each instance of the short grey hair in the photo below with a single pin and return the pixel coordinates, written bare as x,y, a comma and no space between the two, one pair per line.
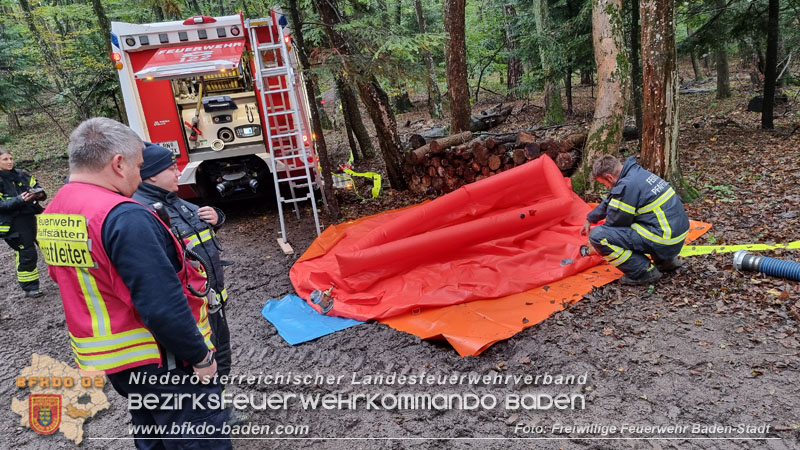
97,140
605,165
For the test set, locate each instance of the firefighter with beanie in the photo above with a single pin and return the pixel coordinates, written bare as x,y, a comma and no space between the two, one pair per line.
196,227
20,195
129,295
644,216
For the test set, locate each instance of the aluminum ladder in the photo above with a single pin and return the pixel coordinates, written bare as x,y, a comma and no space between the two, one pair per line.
285,137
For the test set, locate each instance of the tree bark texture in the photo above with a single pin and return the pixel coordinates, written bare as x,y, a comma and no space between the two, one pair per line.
323,115
723,73
103,22
377,103
605,134
568,90
636,65
13,121
434,96
346,112
696,67
553,110
373,97
514,65
352,116
771,69
660,74
698,70
316,123
586,78
456,56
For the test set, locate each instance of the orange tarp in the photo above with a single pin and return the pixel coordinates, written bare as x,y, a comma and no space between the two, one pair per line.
503,235
475,266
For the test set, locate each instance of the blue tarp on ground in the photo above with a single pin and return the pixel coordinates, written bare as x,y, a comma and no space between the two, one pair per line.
297,322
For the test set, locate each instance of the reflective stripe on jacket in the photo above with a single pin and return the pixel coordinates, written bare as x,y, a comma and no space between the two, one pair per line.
12,184
645,202
196,233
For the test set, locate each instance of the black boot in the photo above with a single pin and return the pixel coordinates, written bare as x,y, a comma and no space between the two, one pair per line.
650,276
669,265
36,293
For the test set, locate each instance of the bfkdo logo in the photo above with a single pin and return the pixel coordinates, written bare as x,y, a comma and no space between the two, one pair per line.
44,412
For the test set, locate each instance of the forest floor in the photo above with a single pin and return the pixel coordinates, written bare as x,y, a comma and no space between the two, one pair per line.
705,346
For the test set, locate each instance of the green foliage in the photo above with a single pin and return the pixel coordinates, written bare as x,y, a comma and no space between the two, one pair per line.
724,190
740,26
567,47
13,61
484,37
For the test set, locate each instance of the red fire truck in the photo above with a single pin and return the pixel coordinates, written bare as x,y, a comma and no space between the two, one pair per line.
223,94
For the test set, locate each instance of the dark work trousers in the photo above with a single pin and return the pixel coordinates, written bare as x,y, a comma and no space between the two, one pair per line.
221,338
182,425
22,238
626,249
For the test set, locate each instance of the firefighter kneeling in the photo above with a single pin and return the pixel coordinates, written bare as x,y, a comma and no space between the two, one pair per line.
644,216
128,312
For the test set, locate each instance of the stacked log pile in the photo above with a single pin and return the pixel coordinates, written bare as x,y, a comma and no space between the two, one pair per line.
446,164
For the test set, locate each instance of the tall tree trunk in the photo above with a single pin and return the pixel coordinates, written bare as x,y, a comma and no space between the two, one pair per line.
434,96
121,114
568,89
377,103
351,141
605,134
323,115
782,61
316,125
636,66
103,23
398,13
374,98
352,115
514,66
456,56
347,97
771,70
13,120
698,70
401,101
586,77
723,74
553,110
660,71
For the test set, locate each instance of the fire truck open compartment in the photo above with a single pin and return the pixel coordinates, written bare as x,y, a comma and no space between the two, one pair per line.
224,135
189,86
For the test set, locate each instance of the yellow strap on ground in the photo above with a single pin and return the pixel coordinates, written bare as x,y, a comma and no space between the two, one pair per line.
376,180
693,250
